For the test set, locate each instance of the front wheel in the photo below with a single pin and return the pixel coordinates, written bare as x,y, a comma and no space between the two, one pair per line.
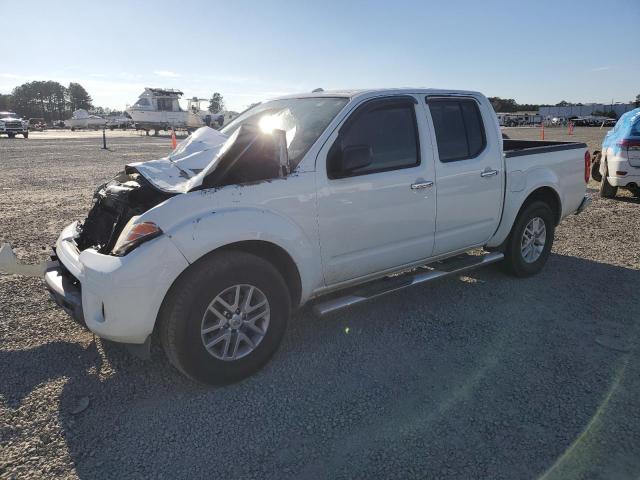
25,134
224,317
529,244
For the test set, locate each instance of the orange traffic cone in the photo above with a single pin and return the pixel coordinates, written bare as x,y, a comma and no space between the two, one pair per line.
174,143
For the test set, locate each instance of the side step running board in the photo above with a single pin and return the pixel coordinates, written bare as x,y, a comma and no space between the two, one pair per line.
424,274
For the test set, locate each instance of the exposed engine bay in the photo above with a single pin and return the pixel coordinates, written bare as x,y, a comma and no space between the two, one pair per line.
114,203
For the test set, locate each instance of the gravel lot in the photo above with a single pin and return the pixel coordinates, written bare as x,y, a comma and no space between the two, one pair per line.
480,376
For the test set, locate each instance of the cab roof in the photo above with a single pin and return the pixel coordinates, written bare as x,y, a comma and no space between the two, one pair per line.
354,93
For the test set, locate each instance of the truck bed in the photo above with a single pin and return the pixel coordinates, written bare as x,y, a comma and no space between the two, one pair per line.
517,148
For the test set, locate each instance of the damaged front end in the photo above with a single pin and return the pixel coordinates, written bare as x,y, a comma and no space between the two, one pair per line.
114,204
247,156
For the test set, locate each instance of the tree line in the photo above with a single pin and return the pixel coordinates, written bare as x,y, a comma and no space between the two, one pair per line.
46,99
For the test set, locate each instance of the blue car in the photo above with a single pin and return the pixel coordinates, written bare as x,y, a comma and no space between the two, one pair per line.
618,164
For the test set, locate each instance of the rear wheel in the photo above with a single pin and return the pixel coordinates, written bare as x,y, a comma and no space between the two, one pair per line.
529,244
11,135
224,317
635,190
606,189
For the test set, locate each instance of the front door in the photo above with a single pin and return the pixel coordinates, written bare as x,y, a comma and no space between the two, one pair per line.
381,215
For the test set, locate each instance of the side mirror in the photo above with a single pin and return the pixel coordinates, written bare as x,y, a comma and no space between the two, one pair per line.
345,161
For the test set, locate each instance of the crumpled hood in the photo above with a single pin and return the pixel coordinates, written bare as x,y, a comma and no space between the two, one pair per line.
185,168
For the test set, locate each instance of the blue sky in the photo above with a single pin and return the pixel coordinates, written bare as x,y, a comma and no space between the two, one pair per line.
544,52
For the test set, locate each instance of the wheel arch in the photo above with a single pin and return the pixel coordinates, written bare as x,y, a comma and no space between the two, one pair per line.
545,192
268,251
547,195
278,257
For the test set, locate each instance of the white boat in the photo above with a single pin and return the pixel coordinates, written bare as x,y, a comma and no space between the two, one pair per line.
199,106
159,109
82,119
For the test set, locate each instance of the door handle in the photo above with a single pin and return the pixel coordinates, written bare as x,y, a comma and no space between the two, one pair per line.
488,173
421,185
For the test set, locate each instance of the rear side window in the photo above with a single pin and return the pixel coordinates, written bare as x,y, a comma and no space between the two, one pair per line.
459,129
391,132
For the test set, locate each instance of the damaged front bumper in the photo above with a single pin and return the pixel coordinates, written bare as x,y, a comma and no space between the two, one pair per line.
63,290
117,298
65,293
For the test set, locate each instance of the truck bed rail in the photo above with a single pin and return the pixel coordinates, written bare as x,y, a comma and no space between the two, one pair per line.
518,148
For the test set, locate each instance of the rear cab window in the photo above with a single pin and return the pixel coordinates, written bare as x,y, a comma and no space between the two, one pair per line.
458,126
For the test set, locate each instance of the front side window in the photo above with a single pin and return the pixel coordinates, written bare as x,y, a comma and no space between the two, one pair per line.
390,132
458,126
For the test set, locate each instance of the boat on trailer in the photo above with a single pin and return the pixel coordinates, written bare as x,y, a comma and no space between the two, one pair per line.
159,109
81,119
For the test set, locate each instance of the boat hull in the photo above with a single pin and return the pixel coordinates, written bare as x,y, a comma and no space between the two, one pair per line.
152,120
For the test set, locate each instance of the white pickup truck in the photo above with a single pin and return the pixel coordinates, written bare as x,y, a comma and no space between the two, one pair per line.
331,198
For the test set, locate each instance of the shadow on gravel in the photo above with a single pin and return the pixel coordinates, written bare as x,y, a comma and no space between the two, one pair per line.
35,366
475,377
628,199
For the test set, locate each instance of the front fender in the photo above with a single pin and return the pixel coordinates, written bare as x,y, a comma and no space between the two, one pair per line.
200,235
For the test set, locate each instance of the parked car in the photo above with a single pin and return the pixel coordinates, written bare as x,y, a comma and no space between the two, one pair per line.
300,197
618,164
37,124
12,125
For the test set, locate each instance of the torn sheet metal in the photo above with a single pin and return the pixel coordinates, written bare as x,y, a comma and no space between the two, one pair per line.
10,265
186,167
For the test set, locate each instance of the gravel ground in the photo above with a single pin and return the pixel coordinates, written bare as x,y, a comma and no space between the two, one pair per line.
480,376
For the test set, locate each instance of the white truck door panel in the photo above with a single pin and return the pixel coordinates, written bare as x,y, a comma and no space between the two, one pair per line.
375,220
469,173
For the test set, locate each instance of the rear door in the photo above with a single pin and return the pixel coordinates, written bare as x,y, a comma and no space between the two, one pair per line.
469,172
383,215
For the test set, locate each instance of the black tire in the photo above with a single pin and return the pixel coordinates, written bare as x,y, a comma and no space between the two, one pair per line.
635,190
606,189
514,261
595,167
181,315
25,134
11,135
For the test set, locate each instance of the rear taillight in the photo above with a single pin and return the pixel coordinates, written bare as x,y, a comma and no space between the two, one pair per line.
587,166
629,144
